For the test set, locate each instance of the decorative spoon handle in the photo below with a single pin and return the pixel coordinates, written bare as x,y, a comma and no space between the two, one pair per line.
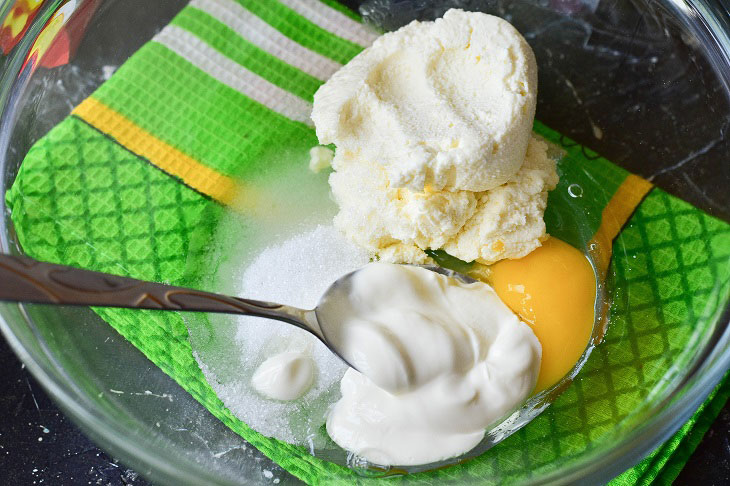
23,279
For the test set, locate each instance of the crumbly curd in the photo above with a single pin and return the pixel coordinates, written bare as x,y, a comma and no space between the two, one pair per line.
432,127
397,224
446,104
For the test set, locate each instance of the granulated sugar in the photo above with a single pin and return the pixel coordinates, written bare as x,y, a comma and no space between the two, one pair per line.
295,272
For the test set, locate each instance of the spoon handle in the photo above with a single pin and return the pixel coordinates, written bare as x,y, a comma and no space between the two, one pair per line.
23,279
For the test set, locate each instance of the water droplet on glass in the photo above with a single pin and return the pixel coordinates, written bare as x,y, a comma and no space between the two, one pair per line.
575,190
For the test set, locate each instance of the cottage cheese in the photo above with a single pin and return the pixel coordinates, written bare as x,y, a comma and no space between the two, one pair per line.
397,224
446,105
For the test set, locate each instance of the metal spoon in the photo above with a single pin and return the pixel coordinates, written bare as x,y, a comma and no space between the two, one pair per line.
23,279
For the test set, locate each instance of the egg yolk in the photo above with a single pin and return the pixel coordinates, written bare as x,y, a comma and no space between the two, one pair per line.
553,289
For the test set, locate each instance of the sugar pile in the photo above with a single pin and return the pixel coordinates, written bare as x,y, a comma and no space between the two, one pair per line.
295,272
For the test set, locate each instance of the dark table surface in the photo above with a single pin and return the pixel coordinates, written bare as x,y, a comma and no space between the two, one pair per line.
39,445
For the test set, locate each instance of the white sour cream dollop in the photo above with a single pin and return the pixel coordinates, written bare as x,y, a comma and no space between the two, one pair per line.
440,360
284,376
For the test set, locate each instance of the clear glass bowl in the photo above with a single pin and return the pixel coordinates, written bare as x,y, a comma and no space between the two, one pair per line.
644,84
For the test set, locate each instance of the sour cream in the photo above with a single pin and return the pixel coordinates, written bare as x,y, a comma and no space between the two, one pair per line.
439,361
284,376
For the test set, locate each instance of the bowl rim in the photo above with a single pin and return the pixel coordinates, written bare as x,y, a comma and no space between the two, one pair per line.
146,458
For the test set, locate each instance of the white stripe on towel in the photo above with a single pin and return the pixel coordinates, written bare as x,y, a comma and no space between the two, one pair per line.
267,38
335,22
201,55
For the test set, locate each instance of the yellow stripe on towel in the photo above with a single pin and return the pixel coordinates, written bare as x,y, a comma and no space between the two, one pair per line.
161,154
614,216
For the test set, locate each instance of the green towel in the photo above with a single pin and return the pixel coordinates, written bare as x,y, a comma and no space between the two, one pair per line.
134,180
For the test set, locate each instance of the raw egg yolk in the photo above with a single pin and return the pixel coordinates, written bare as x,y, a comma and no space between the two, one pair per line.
553,289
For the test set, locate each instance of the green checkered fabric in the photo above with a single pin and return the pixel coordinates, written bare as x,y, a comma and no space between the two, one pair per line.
82,199
86,201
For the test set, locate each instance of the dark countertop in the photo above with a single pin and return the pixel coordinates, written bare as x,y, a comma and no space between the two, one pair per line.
39,445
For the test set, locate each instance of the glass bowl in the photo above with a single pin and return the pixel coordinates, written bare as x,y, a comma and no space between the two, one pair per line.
644,84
